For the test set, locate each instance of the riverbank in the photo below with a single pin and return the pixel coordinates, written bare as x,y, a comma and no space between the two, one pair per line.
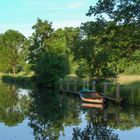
124,80
131,81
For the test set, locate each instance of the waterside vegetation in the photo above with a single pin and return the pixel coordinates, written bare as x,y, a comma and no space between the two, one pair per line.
101,49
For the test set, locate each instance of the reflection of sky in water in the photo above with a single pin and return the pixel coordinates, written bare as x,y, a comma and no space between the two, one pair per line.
69,129
23,91
133,134
20,132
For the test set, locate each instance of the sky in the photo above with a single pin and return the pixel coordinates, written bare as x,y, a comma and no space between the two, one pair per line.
21,15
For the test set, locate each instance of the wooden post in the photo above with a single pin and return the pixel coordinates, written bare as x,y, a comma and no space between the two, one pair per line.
87,84
84,84
94,85
68,85
75,85
61,85
118,91
105,88
132,97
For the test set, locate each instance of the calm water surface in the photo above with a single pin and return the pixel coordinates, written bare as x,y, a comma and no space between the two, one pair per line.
46,115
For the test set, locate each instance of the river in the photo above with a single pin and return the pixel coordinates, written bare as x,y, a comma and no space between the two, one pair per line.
40,114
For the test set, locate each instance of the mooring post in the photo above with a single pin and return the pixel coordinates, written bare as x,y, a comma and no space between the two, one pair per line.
132,97
87,84
105,88
84,84
61,85
118,91
68,85
75,85
94,85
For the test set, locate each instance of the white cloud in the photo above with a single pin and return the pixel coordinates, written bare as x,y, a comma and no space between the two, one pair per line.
75,5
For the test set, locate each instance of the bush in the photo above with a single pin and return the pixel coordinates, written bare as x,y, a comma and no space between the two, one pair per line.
50,68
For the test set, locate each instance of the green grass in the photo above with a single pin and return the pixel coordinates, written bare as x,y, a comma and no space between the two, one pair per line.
131,81
2,74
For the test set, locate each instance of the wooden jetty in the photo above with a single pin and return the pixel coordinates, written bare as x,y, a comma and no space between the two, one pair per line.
66,88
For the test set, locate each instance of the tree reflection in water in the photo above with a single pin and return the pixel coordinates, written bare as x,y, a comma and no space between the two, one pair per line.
13,106
96,128
50,113
94,131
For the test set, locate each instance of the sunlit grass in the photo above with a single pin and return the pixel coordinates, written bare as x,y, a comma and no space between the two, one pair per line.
130,80
2,74
127,79
25,74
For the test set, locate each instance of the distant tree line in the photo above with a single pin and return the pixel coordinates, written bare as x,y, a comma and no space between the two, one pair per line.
101,49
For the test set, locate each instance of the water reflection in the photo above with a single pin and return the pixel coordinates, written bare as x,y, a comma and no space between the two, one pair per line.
13,106
52,116
50,113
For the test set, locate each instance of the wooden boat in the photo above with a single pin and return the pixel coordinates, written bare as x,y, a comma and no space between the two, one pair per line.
91,96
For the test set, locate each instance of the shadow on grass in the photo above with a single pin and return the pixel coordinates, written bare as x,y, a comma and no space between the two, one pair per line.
135,84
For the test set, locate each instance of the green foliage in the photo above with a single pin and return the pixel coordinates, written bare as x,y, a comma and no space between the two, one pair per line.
122,11
122,30
50,52
40,40
95,51
50,68
83,69
133,69
12,46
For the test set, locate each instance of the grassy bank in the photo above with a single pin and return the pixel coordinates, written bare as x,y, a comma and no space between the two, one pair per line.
2,74
131,81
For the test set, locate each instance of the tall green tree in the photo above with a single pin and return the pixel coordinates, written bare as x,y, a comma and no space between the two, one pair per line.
40,39
123,30
12,45
48,53
92,49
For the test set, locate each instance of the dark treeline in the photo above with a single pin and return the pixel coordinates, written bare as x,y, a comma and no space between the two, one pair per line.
101,49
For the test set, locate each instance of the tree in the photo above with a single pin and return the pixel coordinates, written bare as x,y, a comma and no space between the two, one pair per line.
11,50
52,50
94,49
123,30
40,40
121,11
63,42
50,68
